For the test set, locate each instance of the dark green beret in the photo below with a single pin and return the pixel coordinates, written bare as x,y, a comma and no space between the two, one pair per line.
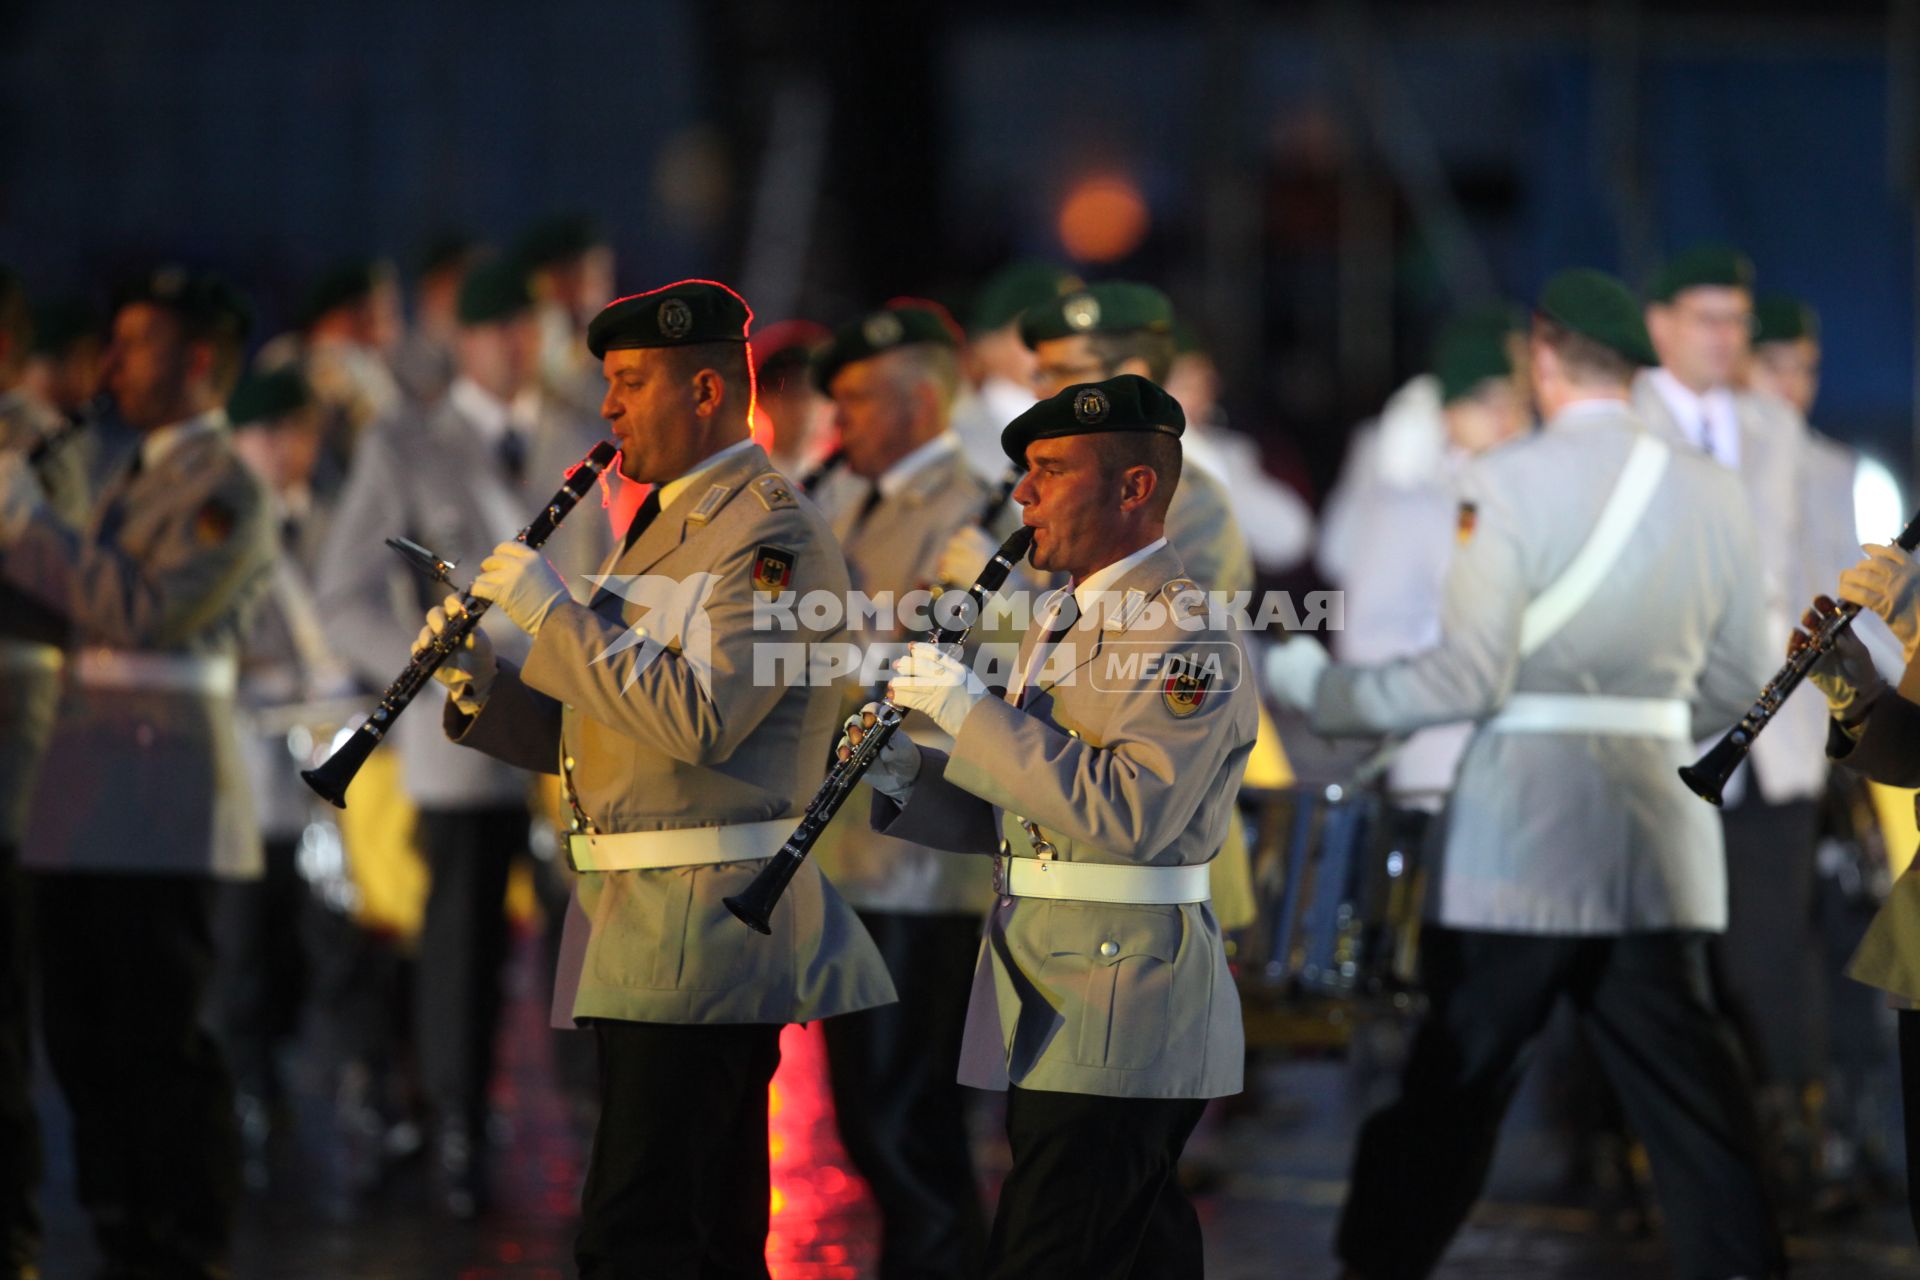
1473,347
344,285
208,306
688,313
60,324
1126,403
556,240
896,325
1703,265
494,291
448,249
1117,306
1013,289
266,397
1781,317
1595,305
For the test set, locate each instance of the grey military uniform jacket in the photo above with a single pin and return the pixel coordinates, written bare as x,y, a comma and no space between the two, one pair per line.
1887,750
31,633
1079,997
1579,833
1202,528
675,740
436,479
896,550
140,777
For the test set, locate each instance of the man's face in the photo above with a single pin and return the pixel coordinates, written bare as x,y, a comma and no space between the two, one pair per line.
1059,363
1703,334
795,412
500,356
149,366
875,410
999,353
1790,370
651,408
1493,413
1072,507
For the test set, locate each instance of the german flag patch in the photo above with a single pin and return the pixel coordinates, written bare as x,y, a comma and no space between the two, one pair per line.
1463,525
772,569
1185,686
213,523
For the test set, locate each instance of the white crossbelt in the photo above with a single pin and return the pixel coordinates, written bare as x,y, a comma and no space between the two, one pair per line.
216,674
26,656
680,847
1105,882
1593,713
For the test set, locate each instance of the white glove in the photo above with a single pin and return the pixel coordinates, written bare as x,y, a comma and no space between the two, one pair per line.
521,585
19,496
965,555
1846,674
469,670
1293,670
893,773
1888,583
939,685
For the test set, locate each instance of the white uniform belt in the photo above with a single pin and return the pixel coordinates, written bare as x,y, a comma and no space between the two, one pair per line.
208,673
26,656
680,847
1105,881
1593,713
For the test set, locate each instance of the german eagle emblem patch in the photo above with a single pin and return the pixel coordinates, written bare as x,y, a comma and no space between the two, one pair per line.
772,569
1463,524
1185,686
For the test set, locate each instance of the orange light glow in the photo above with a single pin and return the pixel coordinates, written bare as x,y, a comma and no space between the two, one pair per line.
823,1222
1103,218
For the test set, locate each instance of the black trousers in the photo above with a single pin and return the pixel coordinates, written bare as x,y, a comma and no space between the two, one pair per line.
1909,1020
19,1134
1647,1010
1094,1191
262,980
1767,965
463,944
902,1115
125,962
677,1185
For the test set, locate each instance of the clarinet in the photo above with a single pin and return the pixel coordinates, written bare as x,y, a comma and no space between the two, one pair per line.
332,776
755,906
1707,776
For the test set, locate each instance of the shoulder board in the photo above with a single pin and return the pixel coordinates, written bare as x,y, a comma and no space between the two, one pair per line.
1184,598
710,503
774,491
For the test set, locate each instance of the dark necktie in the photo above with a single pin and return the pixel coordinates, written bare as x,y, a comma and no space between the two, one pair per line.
513,453
1063,623
867,508
641,519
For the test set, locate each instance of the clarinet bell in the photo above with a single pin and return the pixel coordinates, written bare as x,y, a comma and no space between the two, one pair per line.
1707,776
754,906
332,776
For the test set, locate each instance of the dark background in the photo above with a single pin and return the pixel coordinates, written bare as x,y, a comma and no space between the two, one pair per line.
1324,181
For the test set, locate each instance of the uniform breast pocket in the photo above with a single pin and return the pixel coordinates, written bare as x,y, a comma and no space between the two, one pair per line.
1111,968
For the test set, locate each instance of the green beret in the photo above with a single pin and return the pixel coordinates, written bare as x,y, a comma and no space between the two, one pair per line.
494,291
1595,305
1117,306
1473,347
1012,289
1125,403
1703,265
687,313
208,307
896,325
1781,317
555,240
345,284
264,398
60,324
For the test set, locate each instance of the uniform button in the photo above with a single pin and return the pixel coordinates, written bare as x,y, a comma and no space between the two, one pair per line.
1109,949
567,763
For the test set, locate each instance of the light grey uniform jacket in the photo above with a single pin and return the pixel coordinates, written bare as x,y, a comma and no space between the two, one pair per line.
1887,750
691,747
1081,997
894,551
169,566
1579,833
435,479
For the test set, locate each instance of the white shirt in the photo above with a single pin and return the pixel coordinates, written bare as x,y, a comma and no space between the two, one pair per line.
672,489
490,415
1710,421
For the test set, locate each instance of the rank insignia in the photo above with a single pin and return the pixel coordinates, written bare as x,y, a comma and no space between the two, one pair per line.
675,318
1185,686
1081,312
213,523
1090,407
1463,525
772,569
882,329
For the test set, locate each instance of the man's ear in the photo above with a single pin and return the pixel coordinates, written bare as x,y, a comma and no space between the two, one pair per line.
1138,484
709,392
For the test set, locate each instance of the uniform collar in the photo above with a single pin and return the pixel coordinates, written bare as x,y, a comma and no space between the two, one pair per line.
1710,421
902,473
490,415
1581,412
672,489
157,444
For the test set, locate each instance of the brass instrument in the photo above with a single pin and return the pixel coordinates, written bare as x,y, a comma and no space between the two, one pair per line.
755,906
332,776
1707,776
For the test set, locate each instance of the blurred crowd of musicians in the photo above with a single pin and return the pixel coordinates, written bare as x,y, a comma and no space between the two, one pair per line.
1575,546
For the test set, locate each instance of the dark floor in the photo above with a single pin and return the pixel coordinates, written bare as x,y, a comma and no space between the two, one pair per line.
1274,1177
